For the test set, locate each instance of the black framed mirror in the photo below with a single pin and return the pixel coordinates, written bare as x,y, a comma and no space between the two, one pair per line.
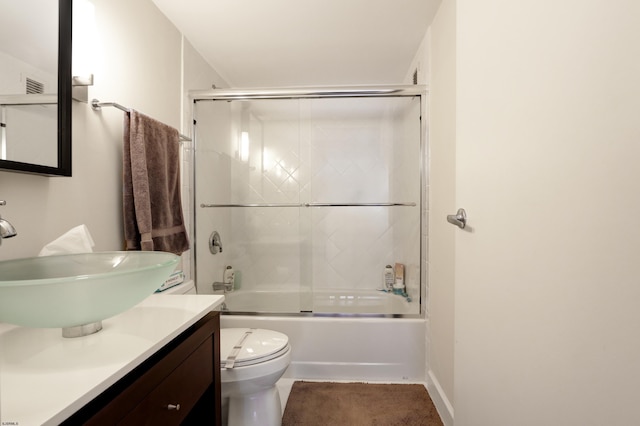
35,93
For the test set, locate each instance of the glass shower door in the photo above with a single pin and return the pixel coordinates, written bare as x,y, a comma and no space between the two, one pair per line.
312,199
247,178
365,178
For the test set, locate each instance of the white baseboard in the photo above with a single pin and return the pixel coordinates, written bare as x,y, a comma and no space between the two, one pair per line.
440,400
392,372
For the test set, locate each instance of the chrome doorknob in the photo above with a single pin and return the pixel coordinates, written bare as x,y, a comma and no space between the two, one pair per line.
459,219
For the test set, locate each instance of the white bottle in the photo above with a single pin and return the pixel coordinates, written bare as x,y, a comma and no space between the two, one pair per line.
389,278
228,277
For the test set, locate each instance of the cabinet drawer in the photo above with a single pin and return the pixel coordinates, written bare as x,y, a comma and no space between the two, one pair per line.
182,388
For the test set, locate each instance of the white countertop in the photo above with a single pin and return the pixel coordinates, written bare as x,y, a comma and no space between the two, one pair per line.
45,378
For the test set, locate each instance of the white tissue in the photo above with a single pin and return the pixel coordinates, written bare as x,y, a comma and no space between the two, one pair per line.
76,240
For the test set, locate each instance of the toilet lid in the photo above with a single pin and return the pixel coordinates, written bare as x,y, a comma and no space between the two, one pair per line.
247,346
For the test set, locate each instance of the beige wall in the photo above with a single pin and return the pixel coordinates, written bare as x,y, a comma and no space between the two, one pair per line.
139,66
548,100
435,61
442,201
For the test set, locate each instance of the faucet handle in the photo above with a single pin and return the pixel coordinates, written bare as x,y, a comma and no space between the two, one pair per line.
3,203
215,243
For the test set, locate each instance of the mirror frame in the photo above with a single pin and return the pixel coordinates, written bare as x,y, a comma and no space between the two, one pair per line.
64,103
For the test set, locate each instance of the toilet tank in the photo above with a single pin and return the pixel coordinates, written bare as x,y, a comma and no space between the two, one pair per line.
187,287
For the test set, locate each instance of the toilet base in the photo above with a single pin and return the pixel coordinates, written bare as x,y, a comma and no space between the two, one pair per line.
261,408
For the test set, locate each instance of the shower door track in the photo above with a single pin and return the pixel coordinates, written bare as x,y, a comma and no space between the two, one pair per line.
312,205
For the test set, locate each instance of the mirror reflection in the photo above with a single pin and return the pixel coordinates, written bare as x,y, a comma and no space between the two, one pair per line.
29,81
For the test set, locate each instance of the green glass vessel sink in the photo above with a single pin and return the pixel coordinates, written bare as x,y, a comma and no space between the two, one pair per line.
76,292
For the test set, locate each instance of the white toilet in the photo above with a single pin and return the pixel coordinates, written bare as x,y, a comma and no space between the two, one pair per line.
252,360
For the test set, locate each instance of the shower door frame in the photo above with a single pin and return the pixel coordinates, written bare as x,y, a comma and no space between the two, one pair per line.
374,91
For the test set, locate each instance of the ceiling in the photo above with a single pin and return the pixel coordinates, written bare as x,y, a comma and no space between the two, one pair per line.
285,43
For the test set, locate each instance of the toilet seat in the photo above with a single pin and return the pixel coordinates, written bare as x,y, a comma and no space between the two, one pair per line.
242,347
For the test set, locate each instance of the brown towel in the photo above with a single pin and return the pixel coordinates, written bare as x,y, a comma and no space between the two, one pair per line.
152,203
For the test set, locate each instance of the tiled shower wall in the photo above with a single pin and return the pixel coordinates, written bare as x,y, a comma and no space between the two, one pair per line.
309,151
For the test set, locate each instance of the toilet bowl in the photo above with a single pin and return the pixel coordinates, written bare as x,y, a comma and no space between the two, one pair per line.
252,360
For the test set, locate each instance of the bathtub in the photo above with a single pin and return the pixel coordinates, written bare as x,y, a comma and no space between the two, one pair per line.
338,346
324,301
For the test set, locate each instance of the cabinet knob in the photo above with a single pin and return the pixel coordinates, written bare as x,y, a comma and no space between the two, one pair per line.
171,407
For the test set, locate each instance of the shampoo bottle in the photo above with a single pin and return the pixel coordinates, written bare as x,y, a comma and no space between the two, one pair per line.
229,278
398,285
389,278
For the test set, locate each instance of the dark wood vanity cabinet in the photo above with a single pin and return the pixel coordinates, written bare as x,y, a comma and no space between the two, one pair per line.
178,385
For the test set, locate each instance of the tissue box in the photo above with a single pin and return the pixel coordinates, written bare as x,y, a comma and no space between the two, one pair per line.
75,240
176,278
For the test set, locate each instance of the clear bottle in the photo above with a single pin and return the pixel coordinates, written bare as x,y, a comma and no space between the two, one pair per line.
389,278
229,278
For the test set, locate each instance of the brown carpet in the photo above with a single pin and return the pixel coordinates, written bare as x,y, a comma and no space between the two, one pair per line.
359,404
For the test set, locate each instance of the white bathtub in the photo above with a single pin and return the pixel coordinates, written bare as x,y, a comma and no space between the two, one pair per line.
340,347
322,301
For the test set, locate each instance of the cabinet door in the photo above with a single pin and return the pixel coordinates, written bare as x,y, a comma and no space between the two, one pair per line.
175,397
186,372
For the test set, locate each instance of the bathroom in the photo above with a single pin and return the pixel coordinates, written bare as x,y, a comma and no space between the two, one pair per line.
536,283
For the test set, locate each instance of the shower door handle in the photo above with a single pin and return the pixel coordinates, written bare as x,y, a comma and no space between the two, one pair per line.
459,219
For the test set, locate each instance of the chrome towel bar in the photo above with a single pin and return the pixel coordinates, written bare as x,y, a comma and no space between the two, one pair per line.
96,105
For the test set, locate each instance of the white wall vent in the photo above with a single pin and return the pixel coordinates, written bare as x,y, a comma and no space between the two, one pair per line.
34,87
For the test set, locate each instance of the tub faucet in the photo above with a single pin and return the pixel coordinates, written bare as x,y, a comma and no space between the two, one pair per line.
228,281
6,229
224,287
